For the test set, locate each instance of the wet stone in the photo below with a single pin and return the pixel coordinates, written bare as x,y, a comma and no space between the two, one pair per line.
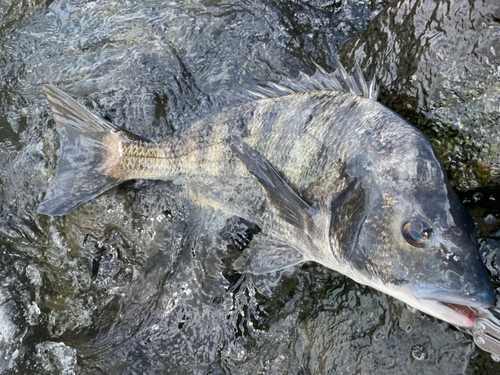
8,333
490,219
443,78
490,252
419,353
55,358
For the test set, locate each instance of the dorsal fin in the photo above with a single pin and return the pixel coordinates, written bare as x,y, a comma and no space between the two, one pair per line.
339,80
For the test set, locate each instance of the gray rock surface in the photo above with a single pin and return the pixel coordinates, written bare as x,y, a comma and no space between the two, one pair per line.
439,66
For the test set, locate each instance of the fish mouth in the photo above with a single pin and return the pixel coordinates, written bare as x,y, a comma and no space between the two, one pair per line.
454,307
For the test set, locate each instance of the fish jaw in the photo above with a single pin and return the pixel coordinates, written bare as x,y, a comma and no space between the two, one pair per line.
460,312
458,306
458,315
483,298
461,315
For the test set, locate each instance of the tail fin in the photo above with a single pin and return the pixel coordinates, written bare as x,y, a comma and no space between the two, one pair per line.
81,173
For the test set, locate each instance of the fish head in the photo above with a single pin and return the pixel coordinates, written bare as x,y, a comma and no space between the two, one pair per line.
416,242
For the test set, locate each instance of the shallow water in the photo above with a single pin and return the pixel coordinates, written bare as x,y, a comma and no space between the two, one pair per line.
139,280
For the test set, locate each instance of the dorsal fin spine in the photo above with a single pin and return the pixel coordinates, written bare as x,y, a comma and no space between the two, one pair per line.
339,80
280,88
293,85
346,78
327,80
361,82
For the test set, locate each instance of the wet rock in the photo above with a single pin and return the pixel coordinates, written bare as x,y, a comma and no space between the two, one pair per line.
490,219
490,252
419,352
439,66
55,358
19,311
8,333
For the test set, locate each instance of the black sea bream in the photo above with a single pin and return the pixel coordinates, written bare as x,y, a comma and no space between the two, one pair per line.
344,181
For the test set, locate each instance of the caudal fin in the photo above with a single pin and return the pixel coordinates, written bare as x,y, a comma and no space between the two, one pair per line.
81,171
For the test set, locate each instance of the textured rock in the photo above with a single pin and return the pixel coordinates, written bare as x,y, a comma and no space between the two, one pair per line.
439,65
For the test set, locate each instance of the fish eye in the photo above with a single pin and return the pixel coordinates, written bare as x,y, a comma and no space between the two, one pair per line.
418,233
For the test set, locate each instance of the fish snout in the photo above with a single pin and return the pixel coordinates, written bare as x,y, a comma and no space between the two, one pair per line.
477,297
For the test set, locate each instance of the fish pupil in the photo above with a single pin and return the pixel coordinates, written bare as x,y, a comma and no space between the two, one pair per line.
418,233
415,236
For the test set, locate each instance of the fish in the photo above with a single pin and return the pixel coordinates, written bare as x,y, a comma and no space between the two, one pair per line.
341,180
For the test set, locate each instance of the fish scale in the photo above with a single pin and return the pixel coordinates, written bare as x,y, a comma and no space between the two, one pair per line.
328,173
211,155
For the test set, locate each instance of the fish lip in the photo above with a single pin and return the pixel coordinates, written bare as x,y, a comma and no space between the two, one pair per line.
458,315
460,308
484,298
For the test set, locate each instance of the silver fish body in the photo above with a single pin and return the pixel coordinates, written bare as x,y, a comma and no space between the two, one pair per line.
345,182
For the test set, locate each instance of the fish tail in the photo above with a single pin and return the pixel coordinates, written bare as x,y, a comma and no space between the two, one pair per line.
89,149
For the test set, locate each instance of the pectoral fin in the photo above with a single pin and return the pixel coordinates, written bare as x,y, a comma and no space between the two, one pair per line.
289,205
268,255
